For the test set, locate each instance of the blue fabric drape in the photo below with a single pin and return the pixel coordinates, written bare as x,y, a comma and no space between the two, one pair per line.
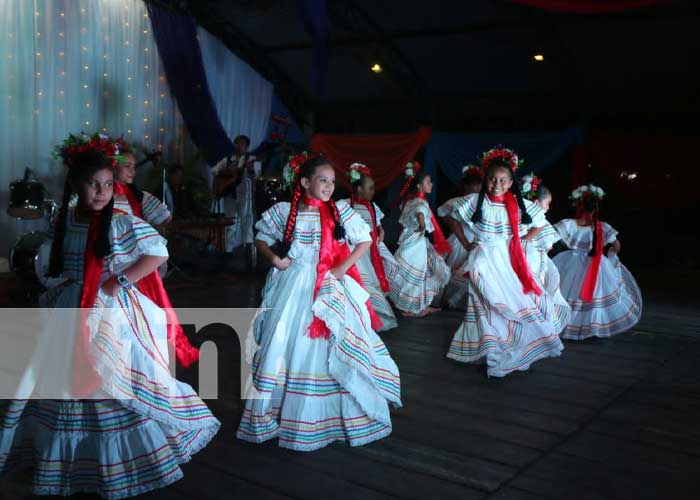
315,18
176,38
448,152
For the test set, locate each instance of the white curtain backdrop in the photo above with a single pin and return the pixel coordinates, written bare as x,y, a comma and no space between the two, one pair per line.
243,98
77,65
68,66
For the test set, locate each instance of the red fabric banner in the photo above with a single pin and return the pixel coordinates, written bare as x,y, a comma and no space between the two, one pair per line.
386,155
590,6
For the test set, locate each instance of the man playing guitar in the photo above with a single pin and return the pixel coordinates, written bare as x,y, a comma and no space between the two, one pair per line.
233,186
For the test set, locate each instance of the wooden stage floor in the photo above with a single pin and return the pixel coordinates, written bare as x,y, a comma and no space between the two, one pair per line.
609,419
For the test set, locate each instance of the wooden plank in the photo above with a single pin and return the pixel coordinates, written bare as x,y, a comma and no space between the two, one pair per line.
484,452
437,462
273,470
391,473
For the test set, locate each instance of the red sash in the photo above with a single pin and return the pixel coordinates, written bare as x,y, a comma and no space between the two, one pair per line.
376,258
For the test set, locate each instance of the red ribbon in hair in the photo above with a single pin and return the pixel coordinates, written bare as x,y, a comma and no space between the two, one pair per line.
376,258
85,377
515,248
331,254
589,282
152,287
440,243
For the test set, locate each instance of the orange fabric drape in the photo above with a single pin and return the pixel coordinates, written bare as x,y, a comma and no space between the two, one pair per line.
385,154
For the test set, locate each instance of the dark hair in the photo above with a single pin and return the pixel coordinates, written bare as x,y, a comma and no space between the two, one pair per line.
83,166
471,178
359,182
306,171
242,138
591,205
418,178
138,194
514,188
543,192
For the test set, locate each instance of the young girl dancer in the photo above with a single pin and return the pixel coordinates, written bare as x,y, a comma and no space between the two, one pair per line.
138,423
130,200
510,320
320,374
371,264
538,248
422,272
603,294
461,240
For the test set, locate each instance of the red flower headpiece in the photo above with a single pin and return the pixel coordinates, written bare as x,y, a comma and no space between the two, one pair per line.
357,171
112,148
292,168
505,154
530,186
472,169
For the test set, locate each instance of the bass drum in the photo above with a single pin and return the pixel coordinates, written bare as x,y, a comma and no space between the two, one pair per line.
29,259
268,191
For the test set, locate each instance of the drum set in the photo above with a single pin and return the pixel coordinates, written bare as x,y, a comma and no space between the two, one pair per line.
29,256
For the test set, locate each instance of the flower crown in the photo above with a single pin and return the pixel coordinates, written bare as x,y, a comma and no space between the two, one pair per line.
112,148
472,169
291,169
357,171
505,154
412,167
530,186
586,191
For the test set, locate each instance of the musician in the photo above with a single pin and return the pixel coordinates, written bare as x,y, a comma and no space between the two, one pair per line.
176,193
234,177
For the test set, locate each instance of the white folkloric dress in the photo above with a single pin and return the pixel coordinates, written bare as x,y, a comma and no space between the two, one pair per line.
141,423
617,300
312,392
455,293
369,276
422,273
154,212
510,329
541,265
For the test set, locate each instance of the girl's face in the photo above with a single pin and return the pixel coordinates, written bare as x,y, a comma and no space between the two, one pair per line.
426,185
498,181
322,183
96,192
125,172
366,189
544,203
474,187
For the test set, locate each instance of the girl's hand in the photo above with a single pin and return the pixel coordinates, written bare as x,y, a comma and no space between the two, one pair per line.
111,287
338,272
281,264
421,229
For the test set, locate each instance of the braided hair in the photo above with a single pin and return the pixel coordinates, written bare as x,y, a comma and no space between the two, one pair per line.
543,192
307,170
83,166
590,205
514,188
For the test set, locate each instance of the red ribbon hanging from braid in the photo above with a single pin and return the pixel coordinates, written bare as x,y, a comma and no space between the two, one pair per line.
375,257
331,254
515,248
591,279
152,287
